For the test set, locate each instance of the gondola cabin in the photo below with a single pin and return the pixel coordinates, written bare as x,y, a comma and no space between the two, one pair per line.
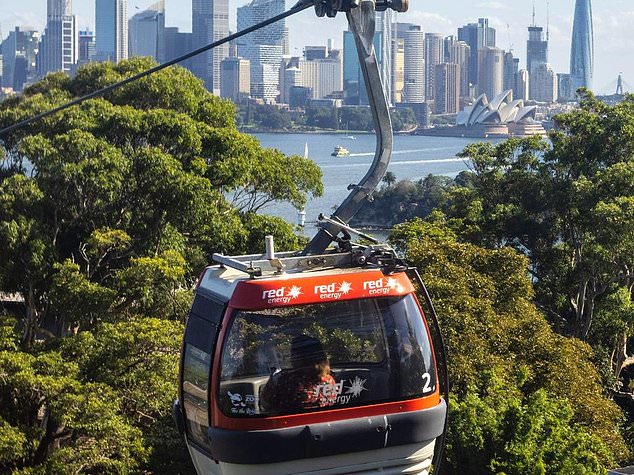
325,367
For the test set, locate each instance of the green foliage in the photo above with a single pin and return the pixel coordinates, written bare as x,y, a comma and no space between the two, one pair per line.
322,117
496,337
399,202
108,213
504,432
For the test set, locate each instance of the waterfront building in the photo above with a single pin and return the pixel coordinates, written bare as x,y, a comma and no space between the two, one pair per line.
502,116
476,35
111,20
87,47
19,53
460,53
398,69
414,70
323,76
235,79
210,22
146,32
490,71
263,48
546,80
447,84
522,85
582,51
434,55
58,46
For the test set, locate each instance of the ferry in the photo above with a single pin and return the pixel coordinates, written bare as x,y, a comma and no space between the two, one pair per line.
340,152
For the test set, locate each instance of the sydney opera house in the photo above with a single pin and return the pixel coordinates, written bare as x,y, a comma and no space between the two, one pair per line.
502,116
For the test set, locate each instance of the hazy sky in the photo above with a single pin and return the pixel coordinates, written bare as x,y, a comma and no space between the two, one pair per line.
613,21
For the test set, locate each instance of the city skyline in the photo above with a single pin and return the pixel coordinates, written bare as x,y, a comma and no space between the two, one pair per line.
613,43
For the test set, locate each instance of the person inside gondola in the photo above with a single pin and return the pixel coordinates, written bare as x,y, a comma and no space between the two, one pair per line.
308,384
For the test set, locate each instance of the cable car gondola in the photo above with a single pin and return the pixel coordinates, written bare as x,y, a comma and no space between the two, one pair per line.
320,361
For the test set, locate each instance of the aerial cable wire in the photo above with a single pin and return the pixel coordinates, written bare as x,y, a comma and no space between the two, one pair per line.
300,6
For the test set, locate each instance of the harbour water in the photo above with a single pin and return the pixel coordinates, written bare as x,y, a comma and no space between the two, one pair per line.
414,157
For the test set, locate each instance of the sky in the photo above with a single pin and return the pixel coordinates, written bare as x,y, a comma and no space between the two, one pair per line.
613,20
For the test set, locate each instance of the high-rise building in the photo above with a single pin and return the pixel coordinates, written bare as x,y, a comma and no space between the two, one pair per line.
385,26
146,32
522,84
434,55
111,20
476,35
315,52
511,68
398,69
58,48
536,48
447,84
565,89
490,71
354,89
177,44
87,47
460,54
235,80
582,51
414,73
546,79
323,76
263,48
210,22
19,52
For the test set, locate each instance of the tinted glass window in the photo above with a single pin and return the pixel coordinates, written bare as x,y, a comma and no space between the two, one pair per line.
200,337
333,355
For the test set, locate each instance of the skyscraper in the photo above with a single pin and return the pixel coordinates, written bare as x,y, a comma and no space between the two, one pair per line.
414,87
511,68
385,25
210,22
582,51
434,55
354,89
476,35
490,71
536,48
58,48
87,47
19,51
235,83
111,19
447,84
460,54
264,48
398,69
546,79
146,32
522,84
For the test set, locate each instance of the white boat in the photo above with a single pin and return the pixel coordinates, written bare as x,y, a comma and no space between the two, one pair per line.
340,152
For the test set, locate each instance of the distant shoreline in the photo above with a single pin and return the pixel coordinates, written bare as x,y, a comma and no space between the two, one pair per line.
306,132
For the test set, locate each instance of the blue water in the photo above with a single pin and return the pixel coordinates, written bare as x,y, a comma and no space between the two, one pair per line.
414,157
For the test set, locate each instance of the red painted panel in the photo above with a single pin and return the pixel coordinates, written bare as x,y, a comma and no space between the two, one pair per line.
305,289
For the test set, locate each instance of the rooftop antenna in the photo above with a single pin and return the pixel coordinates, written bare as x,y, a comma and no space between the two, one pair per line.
533,13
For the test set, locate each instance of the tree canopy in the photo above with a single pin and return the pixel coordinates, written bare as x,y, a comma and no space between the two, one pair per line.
108,212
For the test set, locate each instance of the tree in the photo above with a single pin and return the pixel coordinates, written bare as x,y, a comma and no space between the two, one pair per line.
567,206
520,391
108,213
389,179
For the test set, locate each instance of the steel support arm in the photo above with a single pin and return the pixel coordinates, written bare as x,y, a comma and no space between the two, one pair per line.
362,20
